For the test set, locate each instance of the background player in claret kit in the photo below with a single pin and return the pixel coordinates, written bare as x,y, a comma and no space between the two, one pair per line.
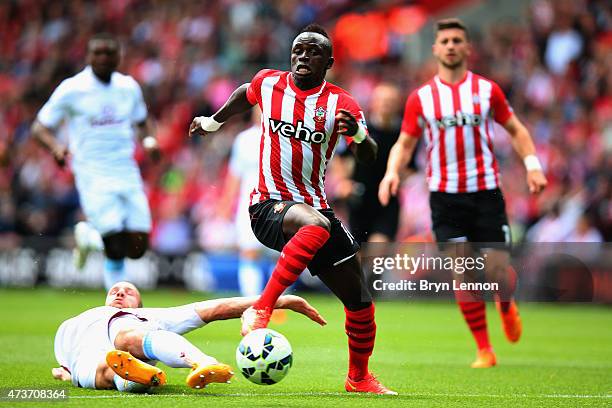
107,347
303,117
101,107
455,111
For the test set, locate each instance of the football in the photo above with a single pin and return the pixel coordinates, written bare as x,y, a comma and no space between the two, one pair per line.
264,356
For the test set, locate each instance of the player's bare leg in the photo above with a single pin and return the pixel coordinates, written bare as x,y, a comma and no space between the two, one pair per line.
171,349
346,282
498,270
306,231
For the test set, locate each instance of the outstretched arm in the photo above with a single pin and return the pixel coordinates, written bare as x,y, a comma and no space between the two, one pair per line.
236,103
232,308
399,157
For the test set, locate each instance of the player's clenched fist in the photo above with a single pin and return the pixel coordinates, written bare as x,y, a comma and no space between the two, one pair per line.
536,180
388,187
202,125
347,124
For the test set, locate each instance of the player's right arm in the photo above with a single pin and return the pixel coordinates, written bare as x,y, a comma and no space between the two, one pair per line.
241,100
232,308
48,119
46,137
402,151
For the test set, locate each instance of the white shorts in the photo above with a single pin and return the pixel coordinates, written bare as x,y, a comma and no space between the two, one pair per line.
111,212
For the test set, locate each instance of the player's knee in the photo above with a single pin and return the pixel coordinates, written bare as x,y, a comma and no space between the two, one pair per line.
355,305
129,340
319,220
139,243
114,246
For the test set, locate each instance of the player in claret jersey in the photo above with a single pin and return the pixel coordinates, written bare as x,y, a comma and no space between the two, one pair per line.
455,111
303,117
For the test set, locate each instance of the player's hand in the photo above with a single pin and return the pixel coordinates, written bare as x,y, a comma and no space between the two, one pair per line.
60,154
195,129
388,187
346,122
60,373
299,305
151,147
536,180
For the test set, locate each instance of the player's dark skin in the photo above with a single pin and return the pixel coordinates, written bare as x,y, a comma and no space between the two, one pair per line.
311,57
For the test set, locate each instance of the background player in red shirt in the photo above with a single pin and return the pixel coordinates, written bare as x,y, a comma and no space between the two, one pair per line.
455,110
303,117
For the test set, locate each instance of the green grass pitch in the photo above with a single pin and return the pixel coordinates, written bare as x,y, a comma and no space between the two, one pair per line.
423,351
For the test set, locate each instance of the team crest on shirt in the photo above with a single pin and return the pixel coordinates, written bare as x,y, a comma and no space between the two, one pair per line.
319,116
279,207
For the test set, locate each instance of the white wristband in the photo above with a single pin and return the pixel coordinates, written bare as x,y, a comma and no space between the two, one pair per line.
532,163
208,124
361,134
149,142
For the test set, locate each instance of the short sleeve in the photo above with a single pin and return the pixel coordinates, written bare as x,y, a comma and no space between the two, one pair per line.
413,112
254,89
139,113
56,108
347,102
499,104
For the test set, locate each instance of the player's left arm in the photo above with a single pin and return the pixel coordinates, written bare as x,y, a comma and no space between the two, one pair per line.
523,145
350,123
145,131
145,125
232,308
521,140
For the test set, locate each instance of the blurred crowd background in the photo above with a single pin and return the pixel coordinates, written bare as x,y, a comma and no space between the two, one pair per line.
552,58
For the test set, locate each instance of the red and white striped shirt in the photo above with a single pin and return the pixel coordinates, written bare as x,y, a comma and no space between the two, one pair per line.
299,136
457,120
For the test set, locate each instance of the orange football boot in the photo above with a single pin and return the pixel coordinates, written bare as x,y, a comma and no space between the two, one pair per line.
511,320
369,384
484,359
130,368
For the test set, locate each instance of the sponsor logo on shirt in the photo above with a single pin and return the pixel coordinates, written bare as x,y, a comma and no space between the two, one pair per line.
107,118
459,119
298,131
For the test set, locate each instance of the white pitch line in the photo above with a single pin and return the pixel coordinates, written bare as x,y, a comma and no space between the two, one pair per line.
343,394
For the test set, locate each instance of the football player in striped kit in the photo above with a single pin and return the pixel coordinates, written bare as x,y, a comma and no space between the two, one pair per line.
455,112
303,118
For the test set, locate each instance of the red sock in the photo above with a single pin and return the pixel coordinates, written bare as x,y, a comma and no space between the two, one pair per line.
294,258
361,331
506,292
476,319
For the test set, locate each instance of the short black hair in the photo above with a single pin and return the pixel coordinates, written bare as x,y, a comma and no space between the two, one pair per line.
103,37
448,23
315,28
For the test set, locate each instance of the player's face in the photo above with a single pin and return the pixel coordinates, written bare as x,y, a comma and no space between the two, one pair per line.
123,295
310,59
103,56
451,47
